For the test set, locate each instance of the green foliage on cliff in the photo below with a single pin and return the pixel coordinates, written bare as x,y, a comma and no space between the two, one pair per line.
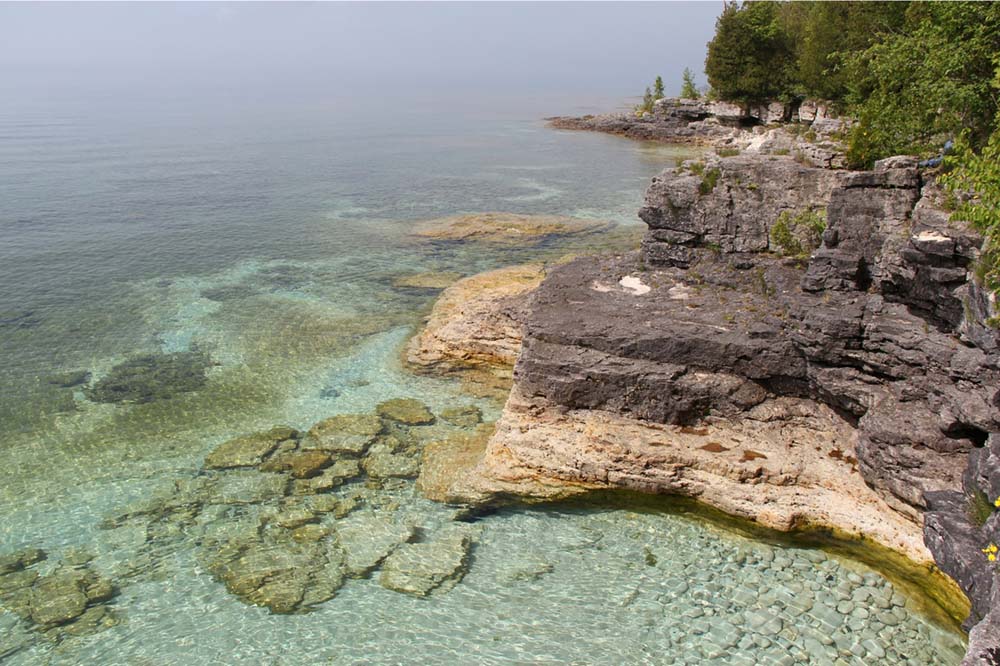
708,182
927,82
913,73
650,96
647,103
979,508
974,175
688,88
798,235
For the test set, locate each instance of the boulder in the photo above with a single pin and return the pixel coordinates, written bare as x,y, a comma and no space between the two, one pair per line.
344,433
420,568
248,450
407,411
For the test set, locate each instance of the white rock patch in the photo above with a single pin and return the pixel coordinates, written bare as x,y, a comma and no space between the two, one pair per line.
634,285
599,286
679,292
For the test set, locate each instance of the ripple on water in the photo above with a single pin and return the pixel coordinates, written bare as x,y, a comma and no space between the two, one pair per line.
543,586
555,586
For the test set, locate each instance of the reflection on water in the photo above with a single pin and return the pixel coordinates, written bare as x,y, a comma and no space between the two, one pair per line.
163,294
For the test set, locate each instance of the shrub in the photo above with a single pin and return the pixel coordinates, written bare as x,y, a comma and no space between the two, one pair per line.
798,235
709,181
979,508
978,174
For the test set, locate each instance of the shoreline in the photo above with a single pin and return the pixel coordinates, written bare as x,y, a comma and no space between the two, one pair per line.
464,472
580,378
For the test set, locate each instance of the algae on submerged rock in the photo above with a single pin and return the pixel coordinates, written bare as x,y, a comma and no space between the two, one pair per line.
504,228
151,377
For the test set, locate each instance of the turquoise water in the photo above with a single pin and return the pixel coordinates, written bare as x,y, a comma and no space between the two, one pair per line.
267,243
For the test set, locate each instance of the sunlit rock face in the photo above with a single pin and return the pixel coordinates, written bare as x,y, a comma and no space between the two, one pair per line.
850,384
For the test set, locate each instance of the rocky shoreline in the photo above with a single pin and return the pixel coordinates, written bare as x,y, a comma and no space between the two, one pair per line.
840,376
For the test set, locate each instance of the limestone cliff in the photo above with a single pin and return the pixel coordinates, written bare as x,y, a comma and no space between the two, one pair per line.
856,386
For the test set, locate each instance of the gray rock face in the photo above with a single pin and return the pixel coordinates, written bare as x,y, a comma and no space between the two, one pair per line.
961,528
883,323
685,212
677,120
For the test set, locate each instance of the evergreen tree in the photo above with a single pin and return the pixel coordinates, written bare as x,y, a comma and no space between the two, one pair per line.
750,58
647,101
658,88
688,88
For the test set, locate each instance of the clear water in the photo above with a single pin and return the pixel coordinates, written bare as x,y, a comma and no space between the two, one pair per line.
269,240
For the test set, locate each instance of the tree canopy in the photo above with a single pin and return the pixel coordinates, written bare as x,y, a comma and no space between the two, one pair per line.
913,73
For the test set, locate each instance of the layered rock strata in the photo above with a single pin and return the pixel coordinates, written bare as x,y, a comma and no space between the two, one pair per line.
678,120
853,387
475,327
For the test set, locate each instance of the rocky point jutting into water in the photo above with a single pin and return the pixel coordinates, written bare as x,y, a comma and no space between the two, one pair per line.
797,345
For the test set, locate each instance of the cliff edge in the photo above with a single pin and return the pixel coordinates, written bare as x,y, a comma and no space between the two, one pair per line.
800,346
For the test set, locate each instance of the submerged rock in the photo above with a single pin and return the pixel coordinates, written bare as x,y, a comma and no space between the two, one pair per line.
69,379
329,478
429,280
381,462
57,599
408,411
420,568
69,598
301,464
344,433
285,576
151,377
367,538
21,559
247,487
19,319
504,228
248,450
467,416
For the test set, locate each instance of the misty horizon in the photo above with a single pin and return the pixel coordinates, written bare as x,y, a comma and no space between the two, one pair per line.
204,54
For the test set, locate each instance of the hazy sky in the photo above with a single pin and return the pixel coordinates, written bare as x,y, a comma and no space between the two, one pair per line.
329,50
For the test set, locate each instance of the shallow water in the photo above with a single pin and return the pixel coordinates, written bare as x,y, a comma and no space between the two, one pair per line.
269,244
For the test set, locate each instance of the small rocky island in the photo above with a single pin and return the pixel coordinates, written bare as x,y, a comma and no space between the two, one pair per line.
795,343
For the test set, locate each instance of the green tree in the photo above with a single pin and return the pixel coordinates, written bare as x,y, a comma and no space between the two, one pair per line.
931,80
647,103
750,58
829,33
977,173
688,89
658,88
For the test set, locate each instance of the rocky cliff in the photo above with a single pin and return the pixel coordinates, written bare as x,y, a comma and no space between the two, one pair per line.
794,345
678,120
